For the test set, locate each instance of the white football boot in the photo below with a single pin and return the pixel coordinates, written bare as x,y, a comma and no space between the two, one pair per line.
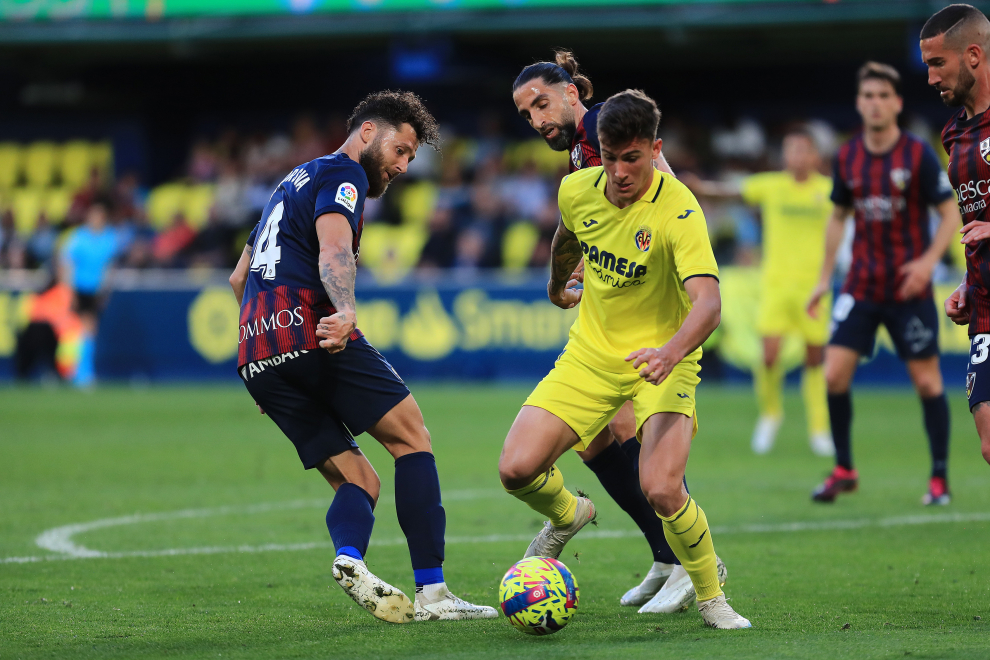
648,588
441,605
551,540
718,614
384,601
822,445
678,592
765,433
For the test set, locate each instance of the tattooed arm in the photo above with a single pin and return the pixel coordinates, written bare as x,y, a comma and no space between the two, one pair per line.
565,254
337,270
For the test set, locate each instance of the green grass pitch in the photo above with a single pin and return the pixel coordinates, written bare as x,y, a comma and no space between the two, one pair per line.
873,576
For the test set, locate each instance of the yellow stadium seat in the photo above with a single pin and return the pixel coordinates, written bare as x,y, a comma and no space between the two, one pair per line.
56,203
391,252
417,203
518,244
26,203
164,202
198,204
39,163
101,155
76,162
11,161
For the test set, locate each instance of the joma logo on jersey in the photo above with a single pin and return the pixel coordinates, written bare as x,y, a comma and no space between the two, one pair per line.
985,150
643,239
276,320
608,261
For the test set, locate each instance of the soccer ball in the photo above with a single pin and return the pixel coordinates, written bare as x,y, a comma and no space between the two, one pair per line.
538,595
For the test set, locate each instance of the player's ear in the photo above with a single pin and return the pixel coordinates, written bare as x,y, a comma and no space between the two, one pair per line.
657,146
368,131
571,94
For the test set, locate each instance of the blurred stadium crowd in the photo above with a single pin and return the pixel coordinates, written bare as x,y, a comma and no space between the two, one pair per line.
488,201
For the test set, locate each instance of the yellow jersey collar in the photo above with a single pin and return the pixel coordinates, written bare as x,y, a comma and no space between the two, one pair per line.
652,193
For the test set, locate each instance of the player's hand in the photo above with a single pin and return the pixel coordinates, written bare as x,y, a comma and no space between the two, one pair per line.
260,409
567,297
957,307
656,362
816,297
916,276
334,331
975,232
578,274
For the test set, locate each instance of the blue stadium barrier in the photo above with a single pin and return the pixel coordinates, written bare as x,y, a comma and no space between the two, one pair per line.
183,327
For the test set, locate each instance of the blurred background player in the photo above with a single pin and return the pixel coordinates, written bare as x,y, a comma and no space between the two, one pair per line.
87,259
322,382
887,178
550,96
637,338
954,45
795,208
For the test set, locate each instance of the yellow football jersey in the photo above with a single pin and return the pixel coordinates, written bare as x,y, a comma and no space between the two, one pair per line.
794,219
636,260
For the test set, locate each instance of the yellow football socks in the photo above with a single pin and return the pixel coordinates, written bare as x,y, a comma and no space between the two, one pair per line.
815,399
769,383
689,537
548,496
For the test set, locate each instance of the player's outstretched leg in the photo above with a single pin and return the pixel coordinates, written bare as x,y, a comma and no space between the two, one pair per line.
527,471
617,468
666,443
350,520
421,514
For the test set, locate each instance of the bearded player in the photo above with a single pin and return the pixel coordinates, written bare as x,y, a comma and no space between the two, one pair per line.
887,179
651,298
314,374
551,96
954,45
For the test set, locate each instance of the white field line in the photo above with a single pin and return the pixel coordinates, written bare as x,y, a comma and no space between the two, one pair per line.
59,539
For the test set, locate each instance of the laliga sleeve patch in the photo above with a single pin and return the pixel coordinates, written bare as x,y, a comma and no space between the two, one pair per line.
347,196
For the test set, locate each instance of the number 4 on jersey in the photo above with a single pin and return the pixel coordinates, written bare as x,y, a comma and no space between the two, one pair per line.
268,253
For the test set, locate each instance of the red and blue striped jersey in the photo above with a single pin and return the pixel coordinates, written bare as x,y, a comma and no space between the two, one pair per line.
890,194
585,149
967,141
284,298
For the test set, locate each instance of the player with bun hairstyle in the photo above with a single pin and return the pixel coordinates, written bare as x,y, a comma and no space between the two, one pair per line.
551,96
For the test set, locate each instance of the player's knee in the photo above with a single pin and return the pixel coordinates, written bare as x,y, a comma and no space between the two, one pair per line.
985,447
666,496
928,386
515,474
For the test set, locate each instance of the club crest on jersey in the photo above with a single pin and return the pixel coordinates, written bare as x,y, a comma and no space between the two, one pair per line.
970,382
985,150
900,177
644,237
576,156
347,196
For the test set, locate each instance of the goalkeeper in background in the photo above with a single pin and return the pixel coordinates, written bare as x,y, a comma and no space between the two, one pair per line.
795,207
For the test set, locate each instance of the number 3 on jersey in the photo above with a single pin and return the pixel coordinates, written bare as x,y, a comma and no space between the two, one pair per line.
267,252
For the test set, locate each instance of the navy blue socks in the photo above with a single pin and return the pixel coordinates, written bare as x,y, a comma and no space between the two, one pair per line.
421,515
619,477
936,411
840,413
350,520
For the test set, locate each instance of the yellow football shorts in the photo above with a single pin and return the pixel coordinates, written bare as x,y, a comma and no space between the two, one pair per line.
587,398
783,311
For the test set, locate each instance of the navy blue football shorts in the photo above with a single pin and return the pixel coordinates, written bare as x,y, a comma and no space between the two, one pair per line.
978,371
321,401
913,326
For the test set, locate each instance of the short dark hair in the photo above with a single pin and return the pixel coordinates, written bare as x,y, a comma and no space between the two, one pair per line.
396,108
800,130
950,20
563,70
628,116
879,71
